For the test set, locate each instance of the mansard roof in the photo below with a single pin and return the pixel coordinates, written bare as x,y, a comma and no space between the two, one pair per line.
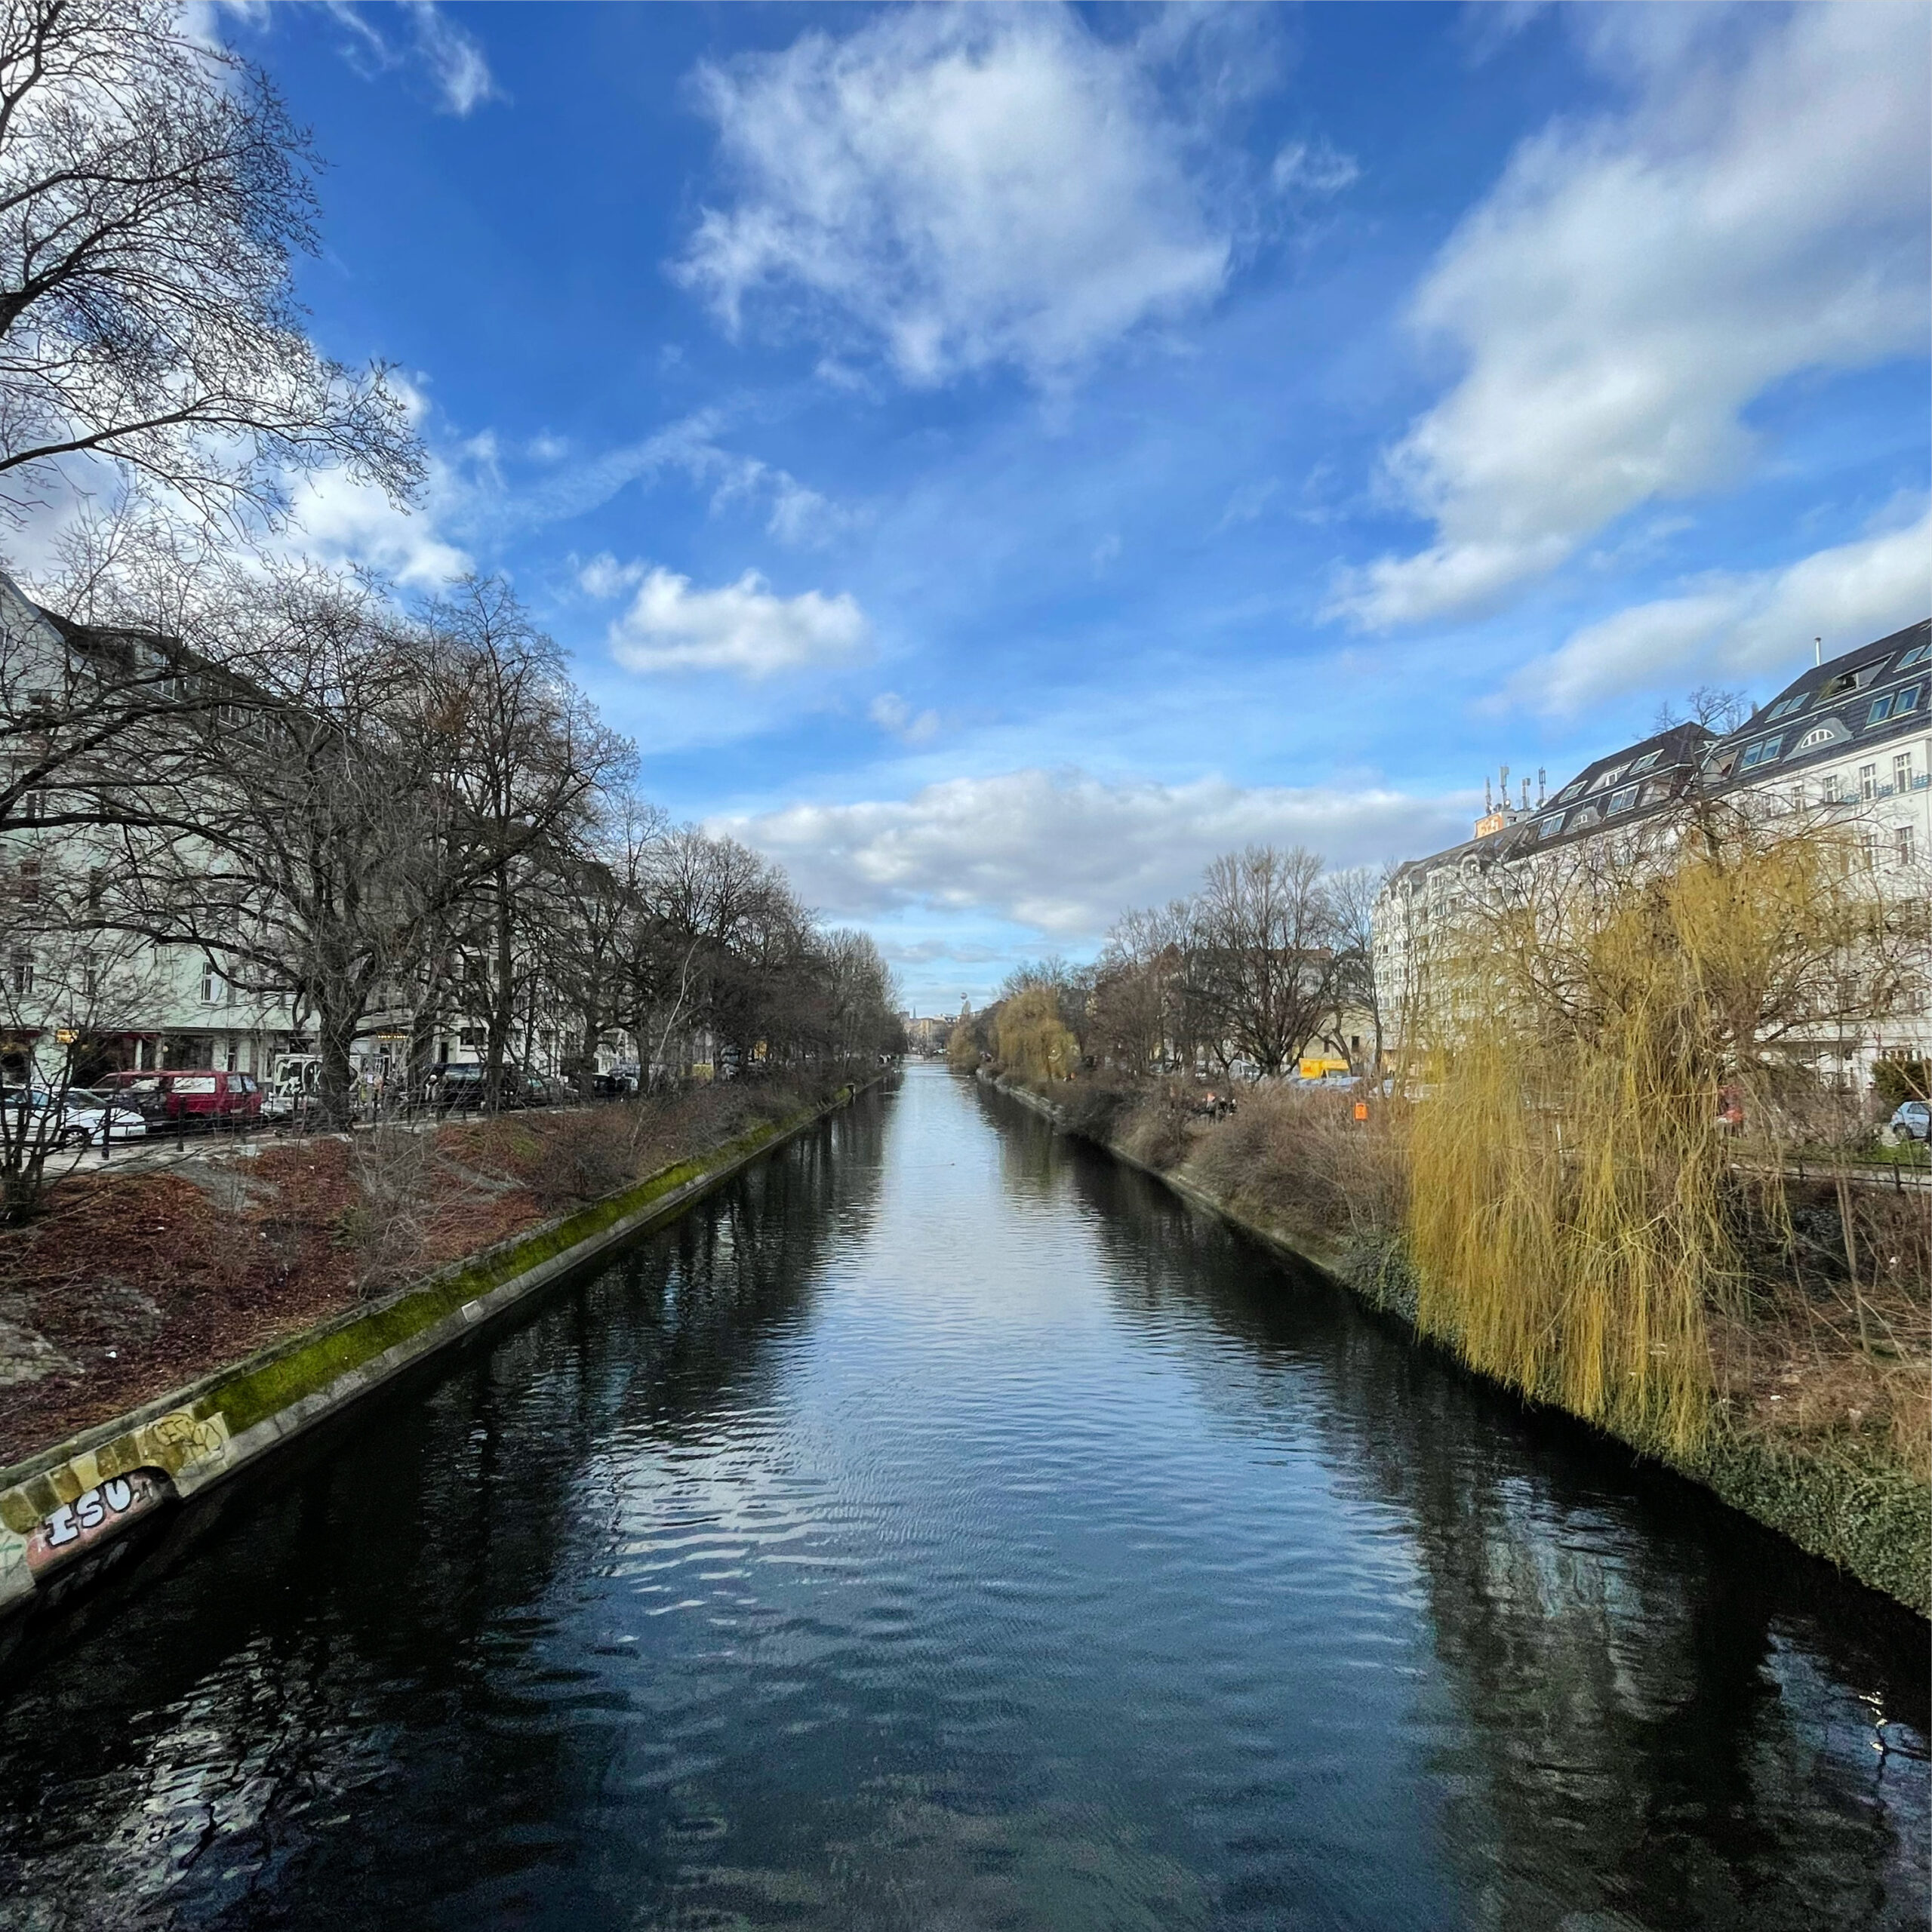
1866,697
1881,692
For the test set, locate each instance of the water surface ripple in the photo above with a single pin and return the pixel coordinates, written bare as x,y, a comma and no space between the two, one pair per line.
944,1528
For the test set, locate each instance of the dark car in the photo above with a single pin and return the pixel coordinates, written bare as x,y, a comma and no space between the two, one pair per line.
455,1084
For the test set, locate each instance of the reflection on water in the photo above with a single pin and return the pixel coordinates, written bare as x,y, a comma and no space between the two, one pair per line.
944,1527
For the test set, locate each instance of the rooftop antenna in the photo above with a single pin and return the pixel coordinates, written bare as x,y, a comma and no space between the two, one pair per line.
1488,803
1526,795
1541,782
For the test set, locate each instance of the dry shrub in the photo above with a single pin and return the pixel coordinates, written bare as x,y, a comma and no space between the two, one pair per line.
1157,1133
587,1153
391,1171
1303,1159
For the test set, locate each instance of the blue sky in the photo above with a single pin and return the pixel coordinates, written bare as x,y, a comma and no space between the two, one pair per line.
992,461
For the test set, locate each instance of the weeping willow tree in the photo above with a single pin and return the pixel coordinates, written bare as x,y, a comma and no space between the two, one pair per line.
1034,1041
1596,1027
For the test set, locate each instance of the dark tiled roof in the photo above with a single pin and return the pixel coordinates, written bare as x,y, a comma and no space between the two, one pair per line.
1835,709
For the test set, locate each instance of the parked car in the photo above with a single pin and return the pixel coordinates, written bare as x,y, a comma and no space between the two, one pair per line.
189,1096
454,1084
1912,1120
81,1116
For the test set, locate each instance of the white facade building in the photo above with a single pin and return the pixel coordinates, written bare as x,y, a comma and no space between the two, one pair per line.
1850,740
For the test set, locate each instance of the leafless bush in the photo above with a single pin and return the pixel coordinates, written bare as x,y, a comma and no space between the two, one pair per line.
388,1222
1303,1157
1156,1132
589,1152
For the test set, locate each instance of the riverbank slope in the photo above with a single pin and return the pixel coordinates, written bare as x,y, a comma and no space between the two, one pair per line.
1789,1444
288,1283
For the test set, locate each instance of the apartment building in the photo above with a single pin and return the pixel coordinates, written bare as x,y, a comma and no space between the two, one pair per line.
1848,741
70,977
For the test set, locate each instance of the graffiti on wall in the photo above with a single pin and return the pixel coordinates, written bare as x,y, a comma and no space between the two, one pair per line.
93,1516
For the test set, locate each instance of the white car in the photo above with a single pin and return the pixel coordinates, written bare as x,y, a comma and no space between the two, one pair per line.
1912,1121
81,1115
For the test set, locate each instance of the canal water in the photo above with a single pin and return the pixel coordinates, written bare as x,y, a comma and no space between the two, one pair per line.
944,1527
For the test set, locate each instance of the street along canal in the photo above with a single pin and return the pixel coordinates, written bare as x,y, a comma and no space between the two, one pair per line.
942,1527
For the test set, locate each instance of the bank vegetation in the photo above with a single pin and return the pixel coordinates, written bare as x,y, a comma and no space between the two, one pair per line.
1603,1167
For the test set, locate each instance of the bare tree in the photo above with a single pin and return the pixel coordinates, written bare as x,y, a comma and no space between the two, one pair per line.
1353,895
1266,959
526,759
69,982
304,845
152,193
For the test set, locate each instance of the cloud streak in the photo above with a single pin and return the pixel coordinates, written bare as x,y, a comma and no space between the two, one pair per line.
1635,282
1064,852
1742,624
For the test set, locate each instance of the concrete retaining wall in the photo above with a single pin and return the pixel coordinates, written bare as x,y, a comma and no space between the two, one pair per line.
60,1506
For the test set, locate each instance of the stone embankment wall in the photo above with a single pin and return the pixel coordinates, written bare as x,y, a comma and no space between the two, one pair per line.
1871,1520
61,1507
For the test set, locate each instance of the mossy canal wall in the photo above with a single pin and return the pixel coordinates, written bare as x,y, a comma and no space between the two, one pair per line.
62,1509
1869,1518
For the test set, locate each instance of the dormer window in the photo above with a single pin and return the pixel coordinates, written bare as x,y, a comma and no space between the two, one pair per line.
1644,764
1607,779
1853,680
1762,753
1787,707
1623,800
1918,654
1894,704
1569,791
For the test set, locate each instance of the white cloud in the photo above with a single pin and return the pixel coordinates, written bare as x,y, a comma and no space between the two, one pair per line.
455,61
448,54
1744,625
1248,501
1313,167
892,714
963,187
1066,853
1633,283
339,520
743,628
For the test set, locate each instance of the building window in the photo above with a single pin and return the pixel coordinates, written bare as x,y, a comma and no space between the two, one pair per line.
96,887
1645,763
19,971
1622,801
90,976
1902,846
210,985
1868,782
1788,707
30,881
1762,753
1917,654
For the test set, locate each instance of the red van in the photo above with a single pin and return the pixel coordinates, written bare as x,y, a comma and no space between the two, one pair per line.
196,1096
